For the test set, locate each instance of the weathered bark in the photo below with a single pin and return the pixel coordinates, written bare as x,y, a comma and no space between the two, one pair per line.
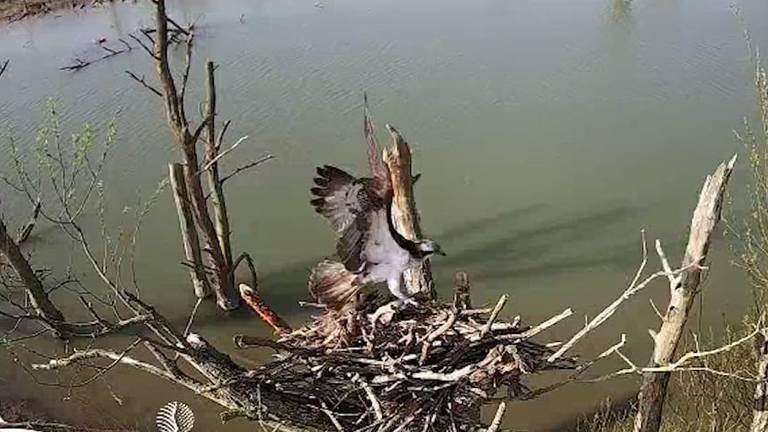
760,399
222,278
38,298
404,213
222,281
218,200
188,231
682,294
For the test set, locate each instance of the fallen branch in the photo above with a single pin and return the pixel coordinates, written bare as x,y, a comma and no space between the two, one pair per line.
80,63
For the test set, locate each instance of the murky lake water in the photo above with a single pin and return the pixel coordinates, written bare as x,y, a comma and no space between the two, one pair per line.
548,134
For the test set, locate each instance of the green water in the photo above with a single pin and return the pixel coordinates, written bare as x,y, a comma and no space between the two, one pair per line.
548,133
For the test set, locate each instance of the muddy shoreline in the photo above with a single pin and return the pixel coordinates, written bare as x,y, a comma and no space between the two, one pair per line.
17,10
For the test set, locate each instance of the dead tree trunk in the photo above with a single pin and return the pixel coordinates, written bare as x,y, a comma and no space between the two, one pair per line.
221,275
683,290
404,213
188,231
760,399
42,305
215,185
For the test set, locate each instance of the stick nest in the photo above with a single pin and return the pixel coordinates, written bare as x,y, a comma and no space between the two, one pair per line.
428,367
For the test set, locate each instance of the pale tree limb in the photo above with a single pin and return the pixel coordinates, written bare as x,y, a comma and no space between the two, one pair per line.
683,291
680,365
215,185
533,331
496,423
211,162
634,287
188,232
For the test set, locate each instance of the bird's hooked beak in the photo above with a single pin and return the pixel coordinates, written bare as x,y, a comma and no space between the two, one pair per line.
439,251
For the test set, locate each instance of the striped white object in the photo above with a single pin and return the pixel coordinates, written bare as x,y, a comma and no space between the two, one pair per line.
175,417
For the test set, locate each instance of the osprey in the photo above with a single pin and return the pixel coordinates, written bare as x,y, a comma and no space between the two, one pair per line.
369,246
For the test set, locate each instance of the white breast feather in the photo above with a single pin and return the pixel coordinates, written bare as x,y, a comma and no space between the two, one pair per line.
387,260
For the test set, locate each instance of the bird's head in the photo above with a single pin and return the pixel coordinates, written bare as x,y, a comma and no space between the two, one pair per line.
429,247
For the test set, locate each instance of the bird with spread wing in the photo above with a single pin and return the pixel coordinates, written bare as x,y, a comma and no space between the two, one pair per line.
369,247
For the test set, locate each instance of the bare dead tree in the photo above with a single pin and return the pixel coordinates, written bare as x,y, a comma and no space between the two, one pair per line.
211,223
683,291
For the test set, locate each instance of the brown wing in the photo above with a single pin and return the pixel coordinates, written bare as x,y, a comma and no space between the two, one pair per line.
348,203
382,184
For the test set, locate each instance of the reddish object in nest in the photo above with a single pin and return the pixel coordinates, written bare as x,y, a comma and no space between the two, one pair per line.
266,313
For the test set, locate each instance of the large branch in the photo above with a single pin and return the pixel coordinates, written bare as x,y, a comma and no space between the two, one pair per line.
188,231
34,287
218,200
160,53
683,290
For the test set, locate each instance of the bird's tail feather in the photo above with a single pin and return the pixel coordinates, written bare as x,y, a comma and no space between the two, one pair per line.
331,284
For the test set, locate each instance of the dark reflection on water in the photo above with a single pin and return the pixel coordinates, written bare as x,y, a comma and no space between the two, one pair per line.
525,245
